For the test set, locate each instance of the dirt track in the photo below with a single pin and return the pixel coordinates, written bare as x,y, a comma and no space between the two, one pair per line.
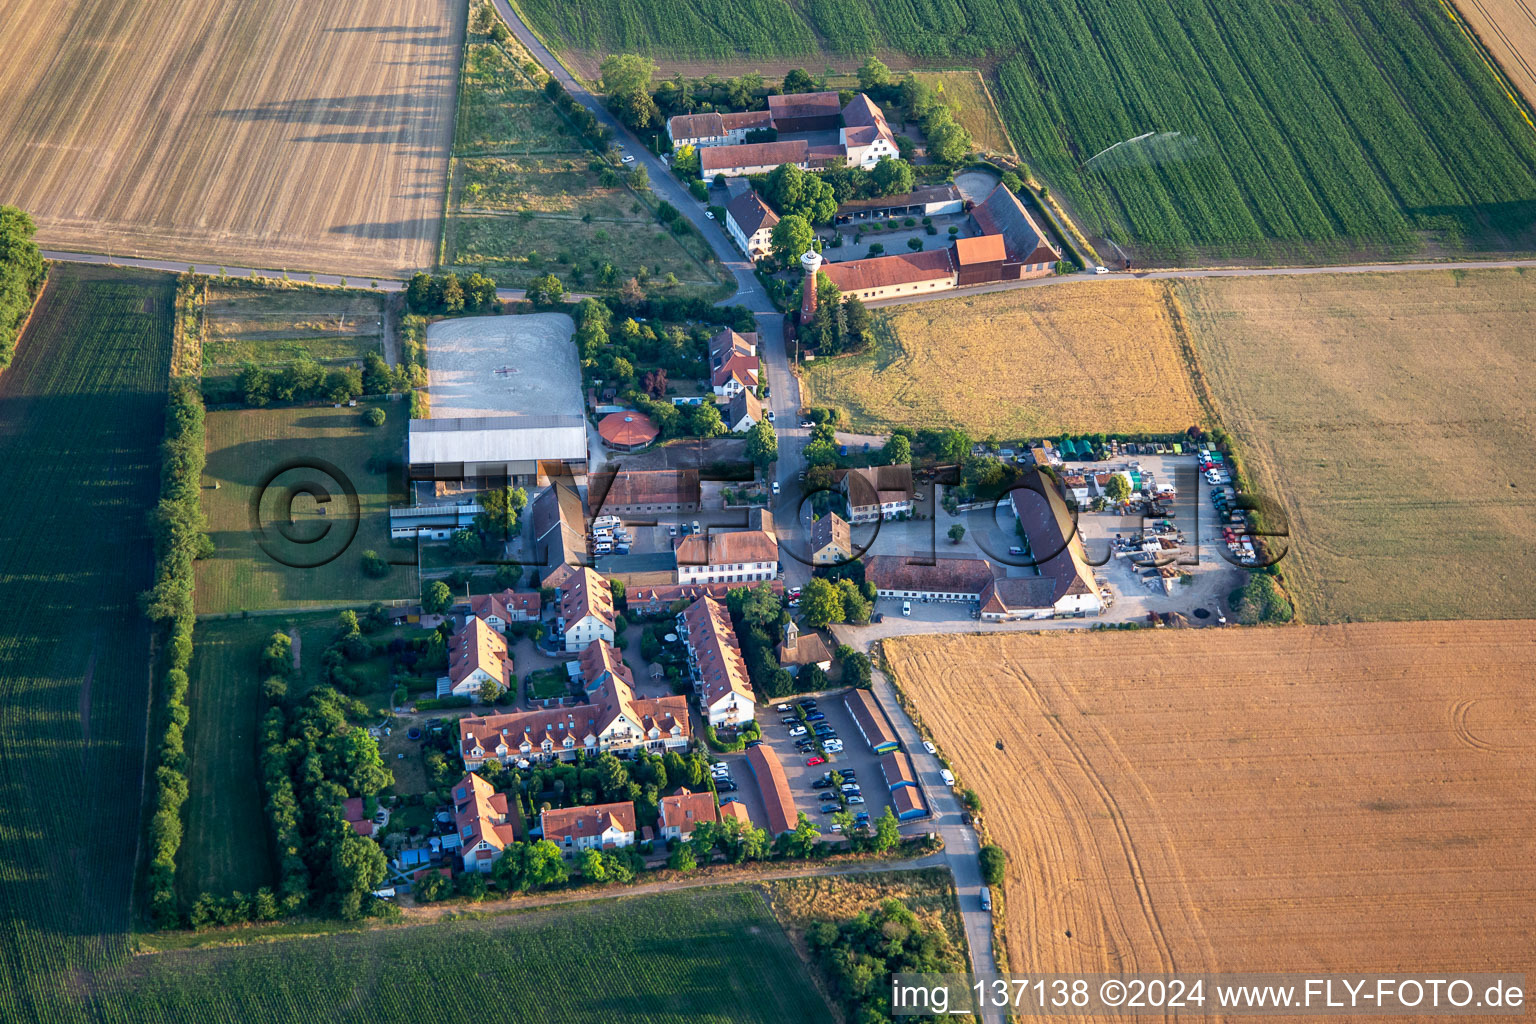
1346,797
314,135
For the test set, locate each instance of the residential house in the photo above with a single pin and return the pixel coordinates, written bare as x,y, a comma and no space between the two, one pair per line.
716,129
657,600
627,492
508,606
871,721
737,810
477,654
730,556
583,606
743,412
1019,597
799,650
1056,548
877,492
719,671
595,827
733,363
484,824
357,817
831,540
778,801
1076,486
750,221
614,721
865,136
886,277
678,814
947,579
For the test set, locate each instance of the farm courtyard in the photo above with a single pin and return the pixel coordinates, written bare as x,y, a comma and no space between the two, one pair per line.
313,136
1391,763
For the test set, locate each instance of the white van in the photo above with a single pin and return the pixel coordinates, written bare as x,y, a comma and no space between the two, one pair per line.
605,522
906,607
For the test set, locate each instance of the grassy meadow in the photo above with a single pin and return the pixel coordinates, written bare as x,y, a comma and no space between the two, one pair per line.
1077,357
1389,414
249,447
81,416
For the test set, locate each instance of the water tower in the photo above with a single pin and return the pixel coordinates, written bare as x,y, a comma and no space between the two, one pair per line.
810,263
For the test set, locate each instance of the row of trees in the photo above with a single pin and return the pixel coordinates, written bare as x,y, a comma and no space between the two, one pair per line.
825,601
435,295
22,271
591,129
303,379
840,325
312,760
180,539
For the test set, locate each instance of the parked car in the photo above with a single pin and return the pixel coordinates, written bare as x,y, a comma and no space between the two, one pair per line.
816,716
878,617
830,808
775,487
672,530
850,787
709,214
770,415
906,607
827,796
753,743
821,783
849,773
725,787
948,776
798,730
854,798
781,707
628,158
834,746
928,746
718,765
696,526
812,762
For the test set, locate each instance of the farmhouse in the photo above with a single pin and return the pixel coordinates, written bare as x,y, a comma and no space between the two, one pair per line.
716,129
583,606
719,671
871,721
754,158
678,814
1056,548
877,492
750,221
730,556
778,801
508,606
614,721
831,540
476,654
484,825
642,491
885,277
598,827
484,451
865,137
1026,252
932,201
805,111
947,579
798,651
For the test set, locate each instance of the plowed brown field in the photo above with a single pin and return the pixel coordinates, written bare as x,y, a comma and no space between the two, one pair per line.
1352,797
291,134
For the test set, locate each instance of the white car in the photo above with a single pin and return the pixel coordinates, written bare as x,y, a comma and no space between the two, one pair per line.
770,415
710,214
798,730
948,776
1101,270
855,799
782,707
928,746
775,487
834,746
628,159
719,766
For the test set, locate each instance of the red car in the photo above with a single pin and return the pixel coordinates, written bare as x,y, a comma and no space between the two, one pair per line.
813,761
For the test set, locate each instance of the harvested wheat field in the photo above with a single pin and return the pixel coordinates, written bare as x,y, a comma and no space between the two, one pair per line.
1508,29
1079,358
283,134
1353,797
1391,415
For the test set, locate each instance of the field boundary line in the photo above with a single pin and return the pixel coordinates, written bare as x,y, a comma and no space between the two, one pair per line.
21,327
458,106
1486,56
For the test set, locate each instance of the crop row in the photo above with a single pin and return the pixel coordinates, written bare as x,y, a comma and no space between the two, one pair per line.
678,28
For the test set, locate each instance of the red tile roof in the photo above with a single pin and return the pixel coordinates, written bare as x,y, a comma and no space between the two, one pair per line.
778,802
480,814
685,809
804,104
716,651
507,605
665,595
582,593
897,768
647,487
982,249
945,576
735,809
478,646
753,154
585,822
630,429
889,271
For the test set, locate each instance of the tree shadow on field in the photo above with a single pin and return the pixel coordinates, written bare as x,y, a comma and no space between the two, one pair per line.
393,229
423,33
334,420
366,111
1489,227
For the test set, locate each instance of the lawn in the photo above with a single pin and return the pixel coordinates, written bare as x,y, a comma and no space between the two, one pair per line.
272,326
1288,132
1390,414
529,199
1074,357
966,92
81,418
322,562
707,956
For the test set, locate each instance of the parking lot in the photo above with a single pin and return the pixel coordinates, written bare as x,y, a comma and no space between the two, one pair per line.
855,755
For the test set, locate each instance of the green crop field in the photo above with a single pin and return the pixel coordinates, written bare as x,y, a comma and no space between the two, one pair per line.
525,199
81,416
311,561
707,956
1320,129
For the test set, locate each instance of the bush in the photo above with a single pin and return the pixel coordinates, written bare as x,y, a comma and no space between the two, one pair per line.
374,566
993,860
1260,600
374,417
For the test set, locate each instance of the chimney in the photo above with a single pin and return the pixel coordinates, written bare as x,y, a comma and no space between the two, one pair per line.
810,263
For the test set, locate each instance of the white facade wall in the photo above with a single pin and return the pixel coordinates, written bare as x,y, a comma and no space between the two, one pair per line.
582,632
740,572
